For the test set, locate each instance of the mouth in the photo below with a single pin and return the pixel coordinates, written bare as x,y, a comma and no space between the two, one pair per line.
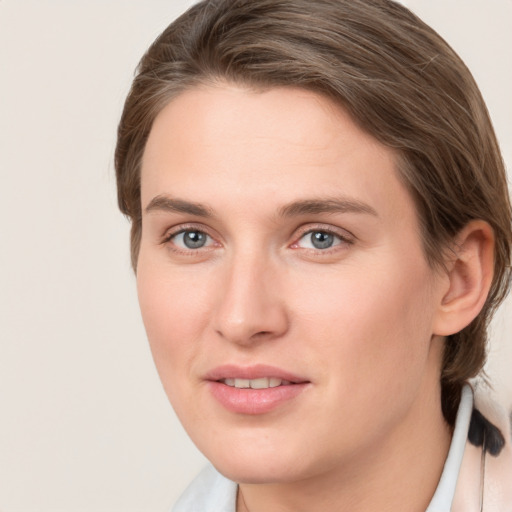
254,390
255,376
261,383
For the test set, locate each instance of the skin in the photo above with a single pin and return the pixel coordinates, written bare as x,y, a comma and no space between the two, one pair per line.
361,321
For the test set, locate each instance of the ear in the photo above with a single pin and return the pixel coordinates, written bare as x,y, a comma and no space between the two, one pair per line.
469,270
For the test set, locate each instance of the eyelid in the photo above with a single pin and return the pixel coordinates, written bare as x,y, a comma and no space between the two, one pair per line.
343,234
344,240
170,233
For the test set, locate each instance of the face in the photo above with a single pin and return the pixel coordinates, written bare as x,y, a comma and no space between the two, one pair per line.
282,282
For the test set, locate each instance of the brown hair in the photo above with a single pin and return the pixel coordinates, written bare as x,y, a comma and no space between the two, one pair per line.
400,82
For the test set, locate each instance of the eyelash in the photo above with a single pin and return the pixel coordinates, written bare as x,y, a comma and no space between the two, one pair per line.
345,239
169,235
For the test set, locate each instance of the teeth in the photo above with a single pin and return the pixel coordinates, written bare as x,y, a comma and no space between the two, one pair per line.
262,383
259,383
242,383
273,382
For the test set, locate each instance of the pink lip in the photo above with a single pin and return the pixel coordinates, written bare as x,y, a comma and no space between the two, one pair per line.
253,401
230,371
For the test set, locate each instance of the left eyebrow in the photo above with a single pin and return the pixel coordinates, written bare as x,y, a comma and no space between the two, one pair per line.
328,205
173,205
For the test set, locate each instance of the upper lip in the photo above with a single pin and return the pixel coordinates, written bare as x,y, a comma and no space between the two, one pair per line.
231,371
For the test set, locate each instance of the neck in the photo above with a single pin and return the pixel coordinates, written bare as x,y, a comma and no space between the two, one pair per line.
400,472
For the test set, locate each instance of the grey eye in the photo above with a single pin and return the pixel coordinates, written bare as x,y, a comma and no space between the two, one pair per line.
319,240
192,239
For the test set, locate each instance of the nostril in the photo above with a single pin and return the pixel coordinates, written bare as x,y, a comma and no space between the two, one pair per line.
261,334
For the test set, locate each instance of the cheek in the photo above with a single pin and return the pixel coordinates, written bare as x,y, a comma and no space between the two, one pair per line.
370,321
370,334
173,311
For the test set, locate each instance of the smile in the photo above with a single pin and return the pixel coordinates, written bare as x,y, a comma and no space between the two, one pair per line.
254,390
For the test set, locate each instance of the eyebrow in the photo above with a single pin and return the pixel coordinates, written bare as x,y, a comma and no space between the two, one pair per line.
297,208
173,205
328,205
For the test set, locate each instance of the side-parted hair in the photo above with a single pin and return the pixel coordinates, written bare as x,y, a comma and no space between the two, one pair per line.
396,77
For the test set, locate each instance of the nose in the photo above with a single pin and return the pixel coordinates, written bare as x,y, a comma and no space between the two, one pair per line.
251,306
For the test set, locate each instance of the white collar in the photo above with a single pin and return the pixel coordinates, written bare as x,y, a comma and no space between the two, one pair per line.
445,492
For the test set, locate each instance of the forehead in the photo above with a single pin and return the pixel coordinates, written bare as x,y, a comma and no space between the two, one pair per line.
265,147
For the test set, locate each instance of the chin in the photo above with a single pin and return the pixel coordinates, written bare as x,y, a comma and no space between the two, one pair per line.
250,473
259,465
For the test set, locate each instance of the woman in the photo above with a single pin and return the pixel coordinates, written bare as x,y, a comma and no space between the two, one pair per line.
321,231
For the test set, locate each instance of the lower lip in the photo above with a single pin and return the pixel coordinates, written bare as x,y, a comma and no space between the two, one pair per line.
254,401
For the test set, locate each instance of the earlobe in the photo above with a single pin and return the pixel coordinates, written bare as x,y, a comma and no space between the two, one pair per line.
470,271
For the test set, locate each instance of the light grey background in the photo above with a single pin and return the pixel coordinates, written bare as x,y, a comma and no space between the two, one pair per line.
84,423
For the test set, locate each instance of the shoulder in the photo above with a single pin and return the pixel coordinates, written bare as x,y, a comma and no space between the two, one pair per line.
208,492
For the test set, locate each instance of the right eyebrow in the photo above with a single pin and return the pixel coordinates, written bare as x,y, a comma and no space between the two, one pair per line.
169,204
328,205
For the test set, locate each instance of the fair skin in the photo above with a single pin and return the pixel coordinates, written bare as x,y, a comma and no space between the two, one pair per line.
278,240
